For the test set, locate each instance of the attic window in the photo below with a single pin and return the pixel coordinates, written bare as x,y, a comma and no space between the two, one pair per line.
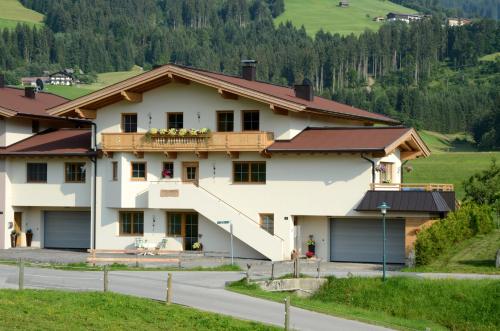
35,126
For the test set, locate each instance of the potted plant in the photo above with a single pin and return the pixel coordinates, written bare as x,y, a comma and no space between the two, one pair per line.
309,254
29,237
311,244
13,237
198,246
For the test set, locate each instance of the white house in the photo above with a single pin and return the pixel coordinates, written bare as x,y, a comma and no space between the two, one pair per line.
280,164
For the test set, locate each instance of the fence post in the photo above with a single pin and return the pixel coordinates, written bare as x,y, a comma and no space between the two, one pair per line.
296,267
272,270
319,267
287,314
180,263
169,289
106,280
21,274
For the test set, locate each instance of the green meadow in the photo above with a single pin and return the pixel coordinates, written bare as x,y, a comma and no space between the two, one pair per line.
13,12
327,15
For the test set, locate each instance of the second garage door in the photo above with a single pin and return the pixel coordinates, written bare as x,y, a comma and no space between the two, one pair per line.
65,229
360,240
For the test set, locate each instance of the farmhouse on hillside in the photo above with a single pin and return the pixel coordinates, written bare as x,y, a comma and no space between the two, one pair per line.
179,156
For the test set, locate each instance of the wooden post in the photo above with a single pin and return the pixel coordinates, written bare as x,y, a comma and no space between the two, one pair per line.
287,314
272,270
296,267
180,263
318,269
106,280
21,274
169,289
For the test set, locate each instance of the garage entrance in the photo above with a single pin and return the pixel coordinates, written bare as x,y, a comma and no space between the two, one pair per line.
361,240
67,229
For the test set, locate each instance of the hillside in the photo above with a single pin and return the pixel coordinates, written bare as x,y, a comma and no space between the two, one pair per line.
327,15
453,160
13,12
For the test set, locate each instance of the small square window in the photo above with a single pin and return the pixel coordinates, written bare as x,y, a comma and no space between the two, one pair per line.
267,222
168,170
225,121
175,120
251,120
129,122
138,170
36,173
131,223
75,172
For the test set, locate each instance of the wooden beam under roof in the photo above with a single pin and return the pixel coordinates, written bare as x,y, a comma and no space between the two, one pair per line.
86,113
233,155
201,155
170,155
131,96
410,155
278,110
179,79
227,95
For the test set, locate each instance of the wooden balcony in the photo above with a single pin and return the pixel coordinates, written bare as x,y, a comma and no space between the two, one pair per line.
412,187
212,142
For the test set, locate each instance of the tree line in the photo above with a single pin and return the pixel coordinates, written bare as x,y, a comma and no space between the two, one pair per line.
394,71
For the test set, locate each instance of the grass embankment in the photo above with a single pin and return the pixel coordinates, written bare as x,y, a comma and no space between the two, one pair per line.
402,303
327,15
54,310
13,12
103,80
453,160
490,57
475,255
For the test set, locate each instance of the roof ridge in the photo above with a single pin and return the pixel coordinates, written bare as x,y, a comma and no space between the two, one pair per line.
356,127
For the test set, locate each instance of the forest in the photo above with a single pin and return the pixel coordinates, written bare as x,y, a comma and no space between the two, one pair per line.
457,8
425,74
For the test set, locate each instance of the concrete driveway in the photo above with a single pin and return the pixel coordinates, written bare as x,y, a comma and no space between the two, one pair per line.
201,290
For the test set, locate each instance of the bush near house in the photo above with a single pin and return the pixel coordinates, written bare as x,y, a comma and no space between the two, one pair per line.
470,220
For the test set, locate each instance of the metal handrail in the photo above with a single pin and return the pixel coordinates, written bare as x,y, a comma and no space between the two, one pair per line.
197,184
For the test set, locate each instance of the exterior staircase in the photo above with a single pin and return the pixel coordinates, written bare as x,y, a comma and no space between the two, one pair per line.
185,195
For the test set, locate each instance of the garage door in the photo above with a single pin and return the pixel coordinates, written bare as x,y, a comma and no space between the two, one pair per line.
356,240
64,229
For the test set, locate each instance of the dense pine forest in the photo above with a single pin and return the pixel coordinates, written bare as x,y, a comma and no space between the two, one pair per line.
425,74
458,8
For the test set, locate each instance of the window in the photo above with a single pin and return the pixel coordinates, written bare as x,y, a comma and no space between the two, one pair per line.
131,223
189,171
385,170
250,120
267,222
138,170
35,126
168,170
225,121
175,120
36,173
114,170
174,225
74,172
129,122
249,172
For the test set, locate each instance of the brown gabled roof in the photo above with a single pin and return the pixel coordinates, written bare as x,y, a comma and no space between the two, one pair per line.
354,139
276,96
13,102
64,142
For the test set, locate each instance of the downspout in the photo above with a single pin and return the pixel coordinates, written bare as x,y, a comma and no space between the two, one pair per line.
373,166
94,183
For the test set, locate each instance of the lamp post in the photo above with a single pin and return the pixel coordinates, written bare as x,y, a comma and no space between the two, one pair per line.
383,209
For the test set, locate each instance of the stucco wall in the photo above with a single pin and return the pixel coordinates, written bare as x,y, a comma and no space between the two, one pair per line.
412,226
319,227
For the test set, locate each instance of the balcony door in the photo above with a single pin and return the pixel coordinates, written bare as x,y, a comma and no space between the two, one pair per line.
184,226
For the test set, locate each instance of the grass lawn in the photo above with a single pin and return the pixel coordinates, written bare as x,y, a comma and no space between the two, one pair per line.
103,80
475,255
325,14
13,12
490,57
54,310
402,303
453,160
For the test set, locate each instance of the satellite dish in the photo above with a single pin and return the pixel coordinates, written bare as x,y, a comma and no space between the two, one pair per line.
39,84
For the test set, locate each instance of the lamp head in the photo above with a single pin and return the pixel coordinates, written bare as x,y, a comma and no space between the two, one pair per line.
383,207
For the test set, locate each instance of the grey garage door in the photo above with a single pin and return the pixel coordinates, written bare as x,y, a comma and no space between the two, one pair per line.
65,229
360,240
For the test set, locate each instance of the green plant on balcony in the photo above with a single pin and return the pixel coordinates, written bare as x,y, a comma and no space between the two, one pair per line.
176,132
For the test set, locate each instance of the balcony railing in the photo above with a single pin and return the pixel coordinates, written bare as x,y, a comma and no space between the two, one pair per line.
412,187
212,142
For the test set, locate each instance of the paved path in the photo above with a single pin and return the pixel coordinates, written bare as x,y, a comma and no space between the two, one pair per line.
202,290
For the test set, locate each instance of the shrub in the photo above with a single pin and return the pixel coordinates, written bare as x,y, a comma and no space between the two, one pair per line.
470,220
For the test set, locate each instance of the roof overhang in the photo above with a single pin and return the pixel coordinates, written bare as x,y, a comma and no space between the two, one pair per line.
7,112
411,146
409,201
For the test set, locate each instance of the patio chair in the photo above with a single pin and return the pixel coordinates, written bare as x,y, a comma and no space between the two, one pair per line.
161,245
139,243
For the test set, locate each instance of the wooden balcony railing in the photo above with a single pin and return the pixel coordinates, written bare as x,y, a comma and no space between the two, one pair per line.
412,187
212,142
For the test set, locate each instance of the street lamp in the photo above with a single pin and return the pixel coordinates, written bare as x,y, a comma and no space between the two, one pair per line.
383,209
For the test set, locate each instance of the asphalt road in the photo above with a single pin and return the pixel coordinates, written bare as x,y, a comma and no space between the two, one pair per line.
201,290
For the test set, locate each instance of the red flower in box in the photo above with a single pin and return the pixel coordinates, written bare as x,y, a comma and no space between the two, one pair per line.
166,173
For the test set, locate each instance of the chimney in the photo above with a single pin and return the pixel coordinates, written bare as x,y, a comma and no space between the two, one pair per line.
305,90
249,70
2,81
30,92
